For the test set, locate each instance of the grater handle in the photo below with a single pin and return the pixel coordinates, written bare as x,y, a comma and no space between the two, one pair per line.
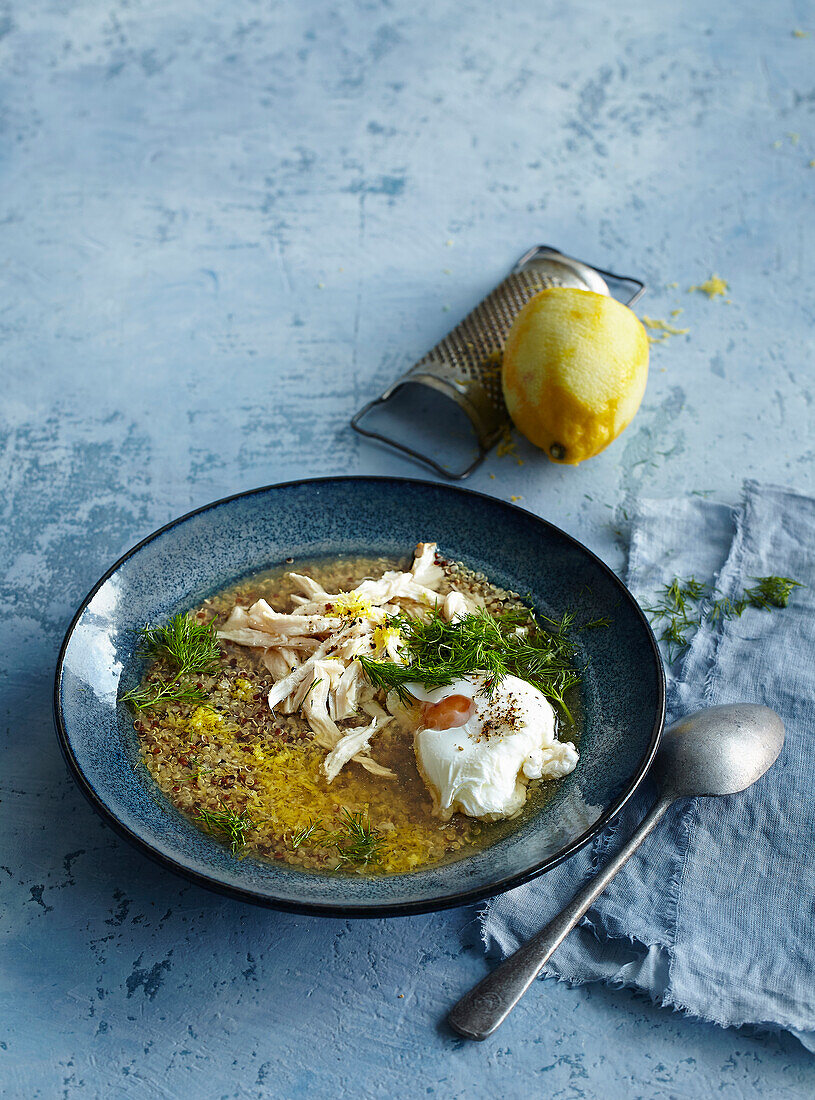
545,251
451,475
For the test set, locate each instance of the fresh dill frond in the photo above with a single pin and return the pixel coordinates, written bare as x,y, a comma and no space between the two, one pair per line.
197,769
185,646
357,842
596,624
558,684
362,842
675,597
302,835
675,633
684,604
678,608
436,653
692,589
227,826
159,691
770,592
387,676
725,608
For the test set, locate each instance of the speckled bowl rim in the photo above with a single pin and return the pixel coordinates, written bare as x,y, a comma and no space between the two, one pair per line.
405,908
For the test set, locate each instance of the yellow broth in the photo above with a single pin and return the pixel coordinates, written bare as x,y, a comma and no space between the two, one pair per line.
231,758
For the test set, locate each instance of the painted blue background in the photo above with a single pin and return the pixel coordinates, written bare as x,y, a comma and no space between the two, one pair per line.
224,226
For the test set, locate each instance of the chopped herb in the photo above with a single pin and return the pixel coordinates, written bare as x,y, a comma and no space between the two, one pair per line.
185,646
302,835
675,632
725,608
197,769
363,843
357,842
596,624
438,652
676,608
770,592
314,684
683,604
228,826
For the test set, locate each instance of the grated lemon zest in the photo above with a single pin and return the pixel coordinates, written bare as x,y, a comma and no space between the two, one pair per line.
506,445
658,325
384,634
713,287
349,605
243,690
292,793
204,720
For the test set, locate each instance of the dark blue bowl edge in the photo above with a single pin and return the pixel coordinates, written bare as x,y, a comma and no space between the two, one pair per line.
356,911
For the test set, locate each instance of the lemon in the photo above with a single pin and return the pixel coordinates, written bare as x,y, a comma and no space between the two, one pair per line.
574,370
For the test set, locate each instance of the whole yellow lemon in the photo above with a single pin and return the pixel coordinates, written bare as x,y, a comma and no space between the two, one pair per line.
574,371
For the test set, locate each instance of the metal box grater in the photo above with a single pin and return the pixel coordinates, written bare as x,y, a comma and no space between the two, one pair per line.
466,365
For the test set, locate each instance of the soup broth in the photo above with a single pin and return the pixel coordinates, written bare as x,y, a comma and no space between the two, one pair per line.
255,780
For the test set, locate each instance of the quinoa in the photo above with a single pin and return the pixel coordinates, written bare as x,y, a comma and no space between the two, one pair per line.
231,757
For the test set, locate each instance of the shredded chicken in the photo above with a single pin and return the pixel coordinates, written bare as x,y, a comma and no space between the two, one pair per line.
345,698
424,568
455,606
348,747
311,651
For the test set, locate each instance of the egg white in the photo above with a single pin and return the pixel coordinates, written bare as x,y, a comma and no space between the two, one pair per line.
484,773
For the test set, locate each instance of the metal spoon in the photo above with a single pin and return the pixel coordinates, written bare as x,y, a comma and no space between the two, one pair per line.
720,750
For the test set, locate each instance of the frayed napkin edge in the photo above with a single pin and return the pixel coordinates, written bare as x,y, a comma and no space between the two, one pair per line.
664,999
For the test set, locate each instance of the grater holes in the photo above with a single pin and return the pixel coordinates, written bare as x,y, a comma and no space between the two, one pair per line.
470,355
468,359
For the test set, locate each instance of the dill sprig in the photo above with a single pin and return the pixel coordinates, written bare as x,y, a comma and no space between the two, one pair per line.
184,643
683,604
197,769
677,609
770,592
596,624
185,646
302,835
725,608
227,826
676,599
357,842
438,652
153,692
363,842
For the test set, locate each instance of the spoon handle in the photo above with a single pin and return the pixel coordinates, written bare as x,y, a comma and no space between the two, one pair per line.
487,1004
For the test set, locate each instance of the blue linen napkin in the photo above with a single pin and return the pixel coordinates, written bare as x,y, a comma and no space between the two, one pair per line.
715,914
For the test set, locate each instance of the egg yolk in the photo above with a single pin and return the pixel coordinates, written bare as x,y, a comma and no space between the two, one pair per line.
449,713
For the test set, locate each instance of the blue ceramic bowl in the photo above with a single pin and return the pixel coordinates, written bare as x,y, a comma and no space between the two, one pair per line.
623,693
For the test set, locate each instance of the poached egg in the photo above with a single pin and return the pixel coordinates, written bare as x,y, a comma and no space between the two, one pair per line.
477,753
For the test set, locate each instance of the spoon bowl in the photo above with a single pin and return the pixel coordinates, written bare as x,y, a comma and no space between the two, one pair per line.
717,751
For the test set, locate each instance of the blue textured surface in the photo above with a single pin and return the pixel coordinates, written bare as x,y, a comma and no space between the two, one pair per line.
225,226
622,695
